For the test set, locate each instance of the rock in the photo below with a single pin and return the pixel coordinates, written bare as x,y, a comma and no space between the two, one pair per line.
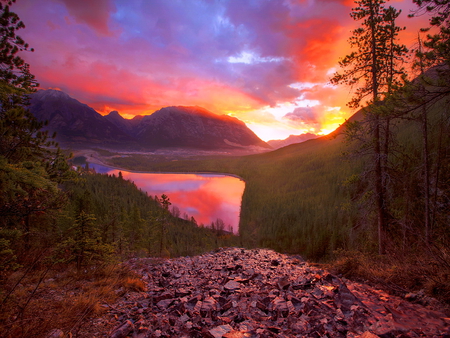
220,331
165,303
232,285
368,334
266,294
123,330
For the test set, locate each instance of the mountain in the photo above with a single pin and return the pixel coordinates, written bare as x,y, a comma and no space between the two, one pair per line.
183,127
195,127
74,121
291,140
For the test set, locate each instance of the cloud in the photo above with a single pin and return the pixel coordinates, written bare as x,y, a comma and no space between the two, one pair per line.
227,56
95,14
303,115
173,43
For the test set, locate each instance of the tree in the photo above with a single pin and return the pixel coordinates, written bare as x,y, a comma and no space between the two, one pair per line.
84,245
19,137
31,164
163,221
14,70
374,67
432,58
438,42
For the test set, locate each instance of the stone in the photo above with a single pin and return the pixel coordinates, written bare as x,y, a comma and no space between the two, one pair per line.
220,331
232,285
368,334
122,330
234,293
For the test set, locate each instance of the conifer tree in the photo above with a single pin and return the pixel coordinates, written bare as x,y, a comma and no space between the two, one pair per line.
165,203
438,42
373,67
31,165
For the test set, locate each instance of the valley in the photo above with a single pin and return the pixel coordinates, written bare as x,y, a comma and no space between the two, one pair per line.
107,156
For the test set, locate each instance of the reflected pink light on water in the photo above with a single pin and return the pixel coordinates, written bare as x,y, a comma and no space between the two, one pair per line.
206,197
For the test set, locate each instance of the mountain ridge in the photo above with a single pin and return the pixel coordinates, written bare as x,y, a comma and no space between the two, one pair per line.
292,139
77,124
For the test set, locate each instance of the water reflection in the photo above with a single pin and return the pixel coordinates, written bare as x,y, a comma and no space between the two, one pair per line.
206,197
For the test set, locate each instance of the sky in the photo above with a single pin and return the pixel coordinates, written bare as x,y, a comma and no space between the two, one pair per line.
266,62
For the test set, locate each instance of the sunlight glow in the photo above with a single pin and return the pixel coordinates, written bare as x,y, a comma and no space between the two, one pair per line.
330,128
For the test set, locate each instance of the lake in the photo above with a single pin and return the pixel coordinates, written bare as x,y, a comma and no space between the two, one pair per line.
206,197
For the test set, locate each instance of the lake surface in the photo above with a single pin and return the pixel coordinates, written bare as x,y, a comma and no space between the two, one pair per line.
206,197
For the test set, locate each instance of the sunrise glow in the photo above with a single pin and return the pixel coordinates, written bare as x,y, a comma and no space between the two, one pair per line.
267,63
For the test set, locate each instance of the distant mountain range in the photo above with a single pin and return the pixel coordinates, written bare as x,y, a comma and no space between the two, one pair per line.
291,140
77,124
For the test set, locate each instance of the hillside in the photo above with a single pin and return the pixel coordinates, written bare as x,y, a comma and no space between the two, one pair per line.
293,196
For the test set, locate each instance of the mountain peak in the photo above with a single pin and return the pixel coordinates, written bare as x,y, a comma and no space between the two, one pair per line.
114,113
51,94
196,127
174,126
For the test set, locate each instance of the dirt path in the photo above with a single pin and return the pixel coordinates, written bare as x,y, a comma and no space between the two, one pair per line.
258,293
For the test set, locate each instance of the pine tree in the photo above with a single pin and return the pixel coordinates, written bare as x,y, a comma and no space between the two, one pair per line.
373,66
438,42
31,165
165,203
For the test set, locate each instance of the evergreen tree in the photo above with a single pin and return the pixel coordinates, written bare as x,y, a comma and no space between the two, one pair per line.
374,67
163,222
84,245
30,163
438,42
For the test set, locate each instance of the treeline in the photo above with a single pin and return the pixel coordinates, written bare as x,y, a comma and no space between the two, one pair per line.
132,222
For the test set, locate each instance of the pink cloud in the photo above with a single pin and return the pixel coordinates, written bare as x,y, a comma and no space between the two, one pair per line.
95,14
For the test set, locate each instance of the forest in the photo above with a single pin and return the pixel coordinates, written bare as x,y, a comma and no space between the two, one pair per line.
371,200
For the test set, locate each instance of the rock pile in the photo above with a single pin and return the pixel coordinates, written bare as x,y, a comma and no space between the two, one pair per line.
236,293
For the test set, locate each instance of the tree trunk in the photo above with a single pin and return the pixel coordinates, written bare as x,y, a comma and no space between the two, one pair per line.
377,137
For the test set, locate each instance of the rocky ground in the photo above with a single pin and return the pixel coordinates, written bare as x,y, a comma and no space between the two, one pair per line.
235,293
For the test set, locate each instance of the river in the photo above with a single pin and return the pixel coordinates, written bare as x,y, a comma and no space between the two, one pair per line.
206,197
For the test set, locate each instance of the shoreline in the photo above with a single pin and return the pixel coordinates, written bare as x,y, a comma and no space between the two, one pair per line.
99,161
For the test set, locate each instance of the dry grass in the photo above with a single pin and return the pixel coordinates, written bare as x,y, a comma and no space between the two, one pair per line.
399,274
63,299
134,284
